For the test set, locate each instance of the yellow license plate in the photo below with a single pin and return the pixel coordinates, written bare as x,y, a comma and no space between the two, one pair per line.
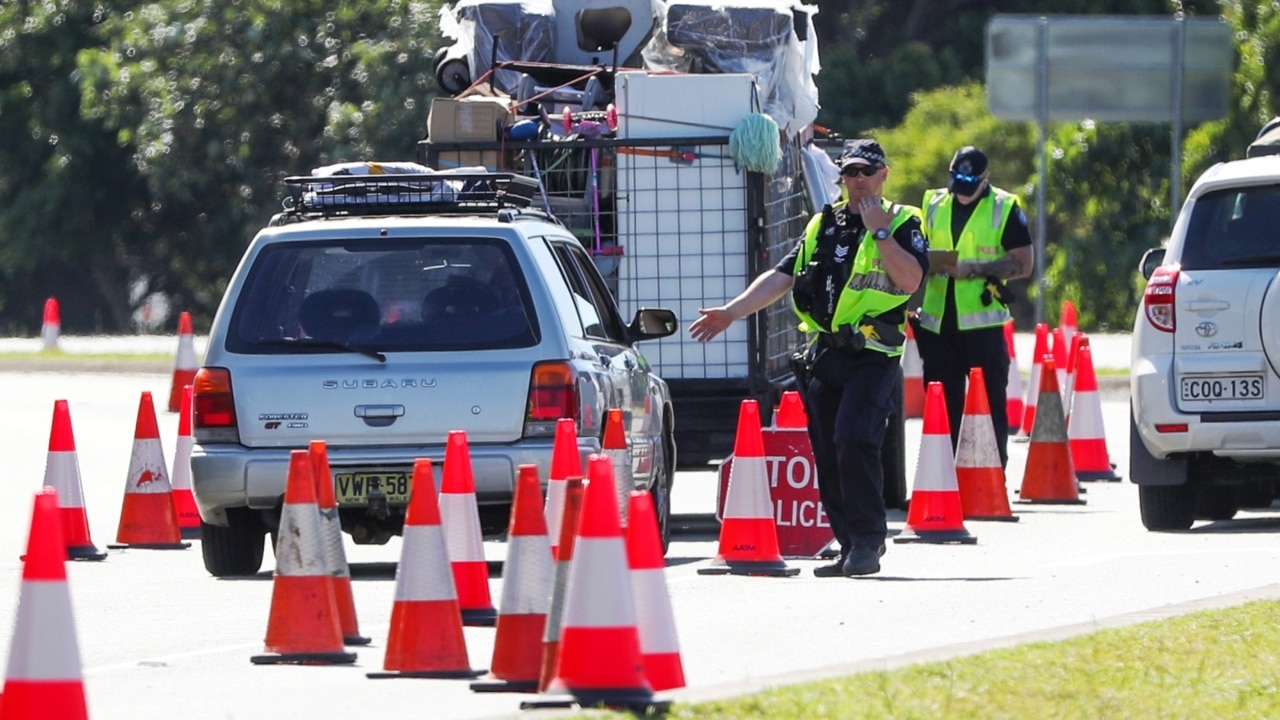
353,488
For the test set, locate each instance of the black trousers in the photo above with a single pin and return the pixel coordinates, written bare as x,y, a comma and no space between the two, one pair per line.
848,402
947,358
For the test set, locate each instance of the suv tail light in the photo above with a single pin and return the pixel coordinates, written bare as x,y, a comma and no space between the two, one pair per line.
553,394
1157,301
213,413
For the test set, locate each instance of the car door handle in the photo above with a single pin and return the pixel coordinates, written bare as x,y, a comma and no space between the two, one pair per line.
379,415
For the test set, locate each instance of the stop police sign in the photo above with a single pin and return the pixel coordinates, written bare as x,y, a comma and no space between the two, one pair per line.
802,525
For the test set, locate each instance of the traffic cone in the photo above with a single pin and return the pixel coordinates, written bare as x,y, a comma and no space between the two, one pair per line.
335,555
573,489
791,413
526,594
614,447
599,663
1049,476
426,638
1067,322
461,520
1014,406
1073,361
1085,433
183,501
655,619
184,364
62,473
148,518
935,514
748,534
44,678
565,463
303,627
51,328
912,378
1033,388
983,495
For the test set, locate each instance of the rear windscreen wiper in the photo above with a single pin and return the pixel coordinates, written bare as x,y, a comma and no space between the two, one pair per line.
326,344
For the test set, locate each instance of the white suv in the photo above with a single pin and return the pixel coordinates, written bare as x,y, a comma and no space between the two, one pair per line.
1205,383
380,312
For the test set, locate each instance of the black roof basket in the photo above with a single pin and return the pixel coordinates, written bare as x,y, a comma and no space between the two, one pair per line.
401,194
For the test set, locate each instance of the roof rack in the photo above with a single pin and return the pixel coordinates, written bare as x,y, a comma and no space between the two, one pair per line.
414,193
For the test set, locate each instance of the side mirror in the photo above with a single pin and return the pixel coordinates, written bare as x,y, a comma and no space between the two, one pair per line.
1151,259
652,323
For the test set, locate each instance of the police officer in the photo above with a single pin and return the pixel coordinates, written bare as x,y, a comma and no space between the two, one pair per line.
965,305
850,278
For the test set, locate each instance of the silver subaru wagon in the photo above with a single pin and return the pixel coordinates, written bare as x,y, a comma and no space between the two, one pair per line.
380,312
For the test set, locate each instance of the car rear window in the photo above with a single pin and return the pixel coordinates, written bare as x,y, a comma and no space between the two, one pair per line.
1235,228
385,296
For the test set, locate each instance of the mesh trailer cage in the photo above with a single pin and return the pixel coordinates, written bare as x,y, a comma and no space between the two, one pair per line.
672,222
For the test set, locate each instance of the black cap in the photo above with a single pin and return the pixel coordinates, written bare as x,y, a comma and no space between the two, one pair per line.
862,152
970,162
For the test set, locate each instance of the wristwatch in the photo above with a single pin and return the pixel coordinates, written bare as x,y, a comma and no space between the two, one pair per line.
881,234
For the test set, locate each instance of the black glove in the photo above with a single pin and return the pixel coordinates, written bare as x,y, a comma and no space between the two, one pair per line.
996,290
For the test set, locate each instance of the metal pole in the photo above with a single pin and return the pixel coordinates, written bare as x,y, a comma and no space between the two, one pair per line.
1175,151
1042,200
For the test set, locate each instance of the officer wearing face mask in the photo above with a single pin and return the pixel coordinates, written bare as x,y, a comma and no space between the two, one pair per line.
965,306
850,279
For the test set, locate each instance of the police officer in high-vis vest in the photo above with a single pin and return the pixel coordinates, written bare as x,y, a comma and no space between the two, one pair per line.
850,279
965,306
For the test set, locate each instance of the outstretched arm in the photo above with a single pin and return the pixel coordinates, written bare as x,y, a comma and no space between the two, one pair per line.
765,290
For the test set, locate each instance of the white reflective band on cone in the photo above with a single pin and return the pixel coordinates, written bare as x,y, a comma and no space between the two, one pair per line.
531,595
44,640
300,553
147,472
423,573
62,473
935,469
653,617
598,571
748,493
461,520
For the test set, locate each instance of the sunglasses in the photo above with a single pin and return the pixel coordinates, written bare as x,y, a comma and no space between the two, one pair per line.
961,177
863,170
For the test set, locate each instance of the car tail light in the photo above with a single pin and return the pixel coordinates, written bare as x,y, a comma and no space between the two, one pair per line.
553,394
1178,428
213,413
1157,301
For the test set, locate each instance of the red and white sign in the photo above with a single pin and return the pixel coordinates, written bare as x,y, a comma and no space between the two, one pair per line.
802,525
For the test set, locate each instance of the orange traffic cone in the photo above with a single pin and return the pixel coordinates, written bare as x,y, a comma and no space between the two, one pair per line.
303,625
184,364
1014,406
461,519
614,447
748,533
566,463
655,620
599,662
1049,476
978,471
1038,354
426,638
573,489
526,594
935,514
44,677
149,518
1085,433
912,378
51,328
62,473
335,555
183,501
791,413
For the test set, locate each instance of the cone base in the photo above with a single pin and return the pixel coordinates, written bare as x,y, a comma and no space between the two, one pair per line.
356,640
465,674
985,518
150,546
1050,501
329,658
190,533
960,536
637,700
85,552
495,685
1108,475
480,617
770,568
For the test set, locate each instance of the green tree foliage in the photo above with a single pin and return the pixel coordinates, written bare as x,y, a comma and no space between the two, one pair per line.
217,100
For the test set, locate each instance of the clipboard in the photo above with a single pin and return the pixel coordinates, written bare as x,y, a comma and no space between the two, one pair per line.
943,258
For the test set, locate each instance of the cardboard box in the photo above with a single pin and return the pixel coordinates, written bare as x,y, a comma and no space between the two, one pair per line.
490,159
472,118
